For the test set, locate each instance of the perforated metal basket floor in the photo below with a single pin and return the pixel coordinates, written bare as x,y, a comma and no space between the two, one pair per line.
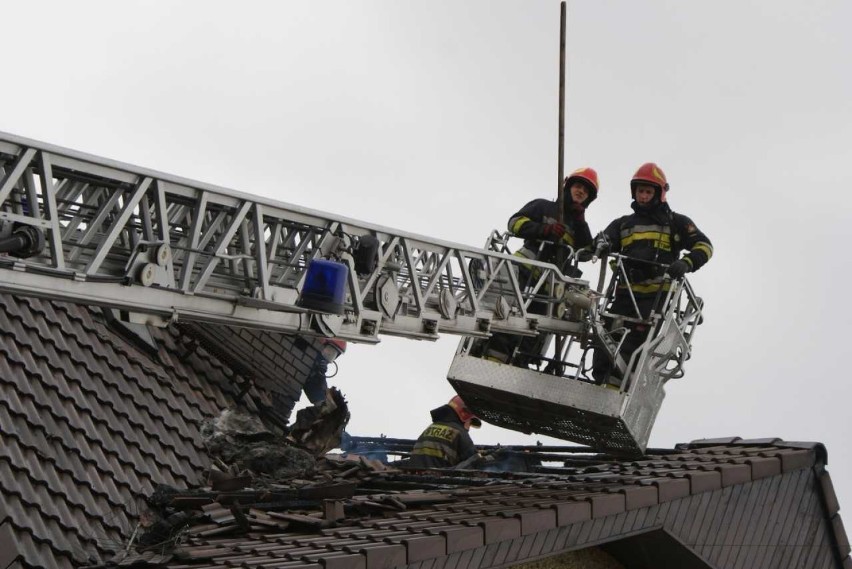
531,402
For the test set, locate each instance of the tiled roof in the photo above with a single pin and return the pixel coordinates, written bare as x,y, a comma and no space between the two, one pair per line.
91,422
90,425
736,502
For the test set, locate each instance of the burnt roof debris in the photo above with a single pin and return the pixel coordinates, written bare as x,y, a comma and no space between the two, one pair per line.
319,428
238,441
286,498
253,467
363,510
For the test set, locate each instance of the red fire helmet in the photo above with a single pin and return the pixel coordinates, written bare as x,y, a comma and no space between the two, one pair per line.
464,413
650,173
589,177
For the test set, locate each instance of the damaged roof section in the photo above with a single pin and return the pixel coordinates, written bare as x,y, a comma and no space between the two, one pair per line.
723,503
91,423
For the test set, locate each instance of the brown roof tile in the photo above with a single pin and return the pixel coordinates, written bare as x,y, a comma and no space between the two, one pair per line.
534,521
796,459
459,538
672,488
639,496
607,504
572,512
733,474
380,555
761,467
420,547
497,528
337,560
703,481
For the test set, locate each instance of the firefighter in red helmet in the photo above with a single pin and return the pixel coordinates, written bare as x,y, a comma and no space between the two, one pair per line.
653,237
446,442
544,231
538,223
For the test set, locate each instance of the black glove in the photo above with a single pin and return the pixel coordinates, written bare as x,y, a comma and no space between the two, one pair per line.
585,255
553,231
678,269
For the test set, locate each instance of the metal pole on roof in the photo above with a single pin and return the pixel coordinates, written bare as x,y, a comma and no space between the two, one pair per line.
560,186
560,252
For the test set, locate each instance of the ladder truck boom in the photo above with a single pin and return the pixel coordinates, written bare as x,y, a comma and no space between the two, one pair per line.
161,248
164,248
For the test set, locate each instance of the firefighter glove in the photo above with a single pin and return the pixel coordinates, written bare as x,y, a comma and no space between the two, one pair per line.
678,269
553,231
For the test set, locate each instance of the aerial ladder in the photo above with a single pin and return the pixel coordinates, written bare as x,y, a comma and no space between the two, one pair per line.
160,249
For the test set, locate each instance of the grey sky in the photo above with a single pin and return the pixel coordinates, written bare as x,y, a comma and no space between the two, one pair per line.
440,118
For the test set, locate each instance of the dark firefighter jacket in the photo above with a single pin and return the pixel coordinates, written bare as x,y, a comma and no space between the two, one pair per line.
444,443
529,223
656,234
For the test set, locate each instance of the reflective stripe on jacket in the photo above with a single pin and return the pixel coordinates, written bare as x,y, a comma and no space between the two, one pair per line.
438,441
657,235
528,224
444,443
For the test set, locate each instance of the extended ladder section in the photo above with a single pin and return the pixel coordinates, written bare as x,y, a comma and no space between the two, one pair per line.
159,248
548,388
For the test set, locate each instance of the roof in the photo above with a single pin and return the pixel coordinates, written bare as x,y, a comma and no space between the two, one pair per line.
715,503
92,421
94,418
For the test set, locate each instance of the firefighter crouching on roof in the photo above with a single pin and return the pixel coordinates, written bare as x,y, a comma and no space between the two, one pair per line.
653,232
446,442
538,224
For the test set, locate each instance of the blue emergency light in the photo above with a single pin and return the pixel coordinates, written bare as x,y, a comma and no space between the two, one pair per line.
325,286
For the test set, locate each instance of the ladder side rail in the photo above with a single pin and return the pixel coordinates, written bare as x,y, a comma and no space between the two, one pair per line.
288,255
620,281
468,294
671,338
51,212
681,330
224,239
611,336
439,273
112,214
32,194
94,200
185,258
116,171
69,198
414,275
119,224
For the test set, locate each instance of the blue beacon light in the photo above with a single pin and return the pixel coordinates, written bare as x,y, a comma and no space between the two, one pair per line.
325,286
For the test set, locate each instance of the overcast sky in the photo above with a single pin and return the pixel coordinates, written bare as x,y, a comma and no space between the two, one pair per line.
440,118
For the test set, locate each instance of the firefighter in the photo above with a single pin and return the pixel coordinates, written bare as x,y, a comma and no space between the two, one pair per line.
446,442
316,384
654,236
538,224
